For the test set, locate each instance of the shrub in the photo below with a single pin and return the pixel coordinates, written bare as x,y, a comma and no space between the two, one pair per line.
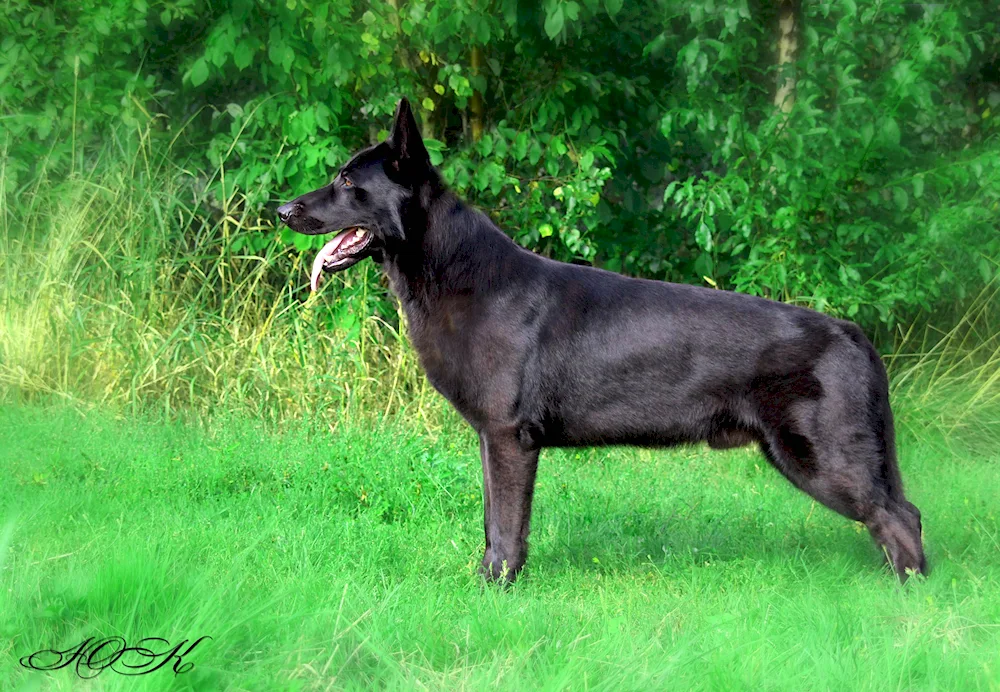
644,137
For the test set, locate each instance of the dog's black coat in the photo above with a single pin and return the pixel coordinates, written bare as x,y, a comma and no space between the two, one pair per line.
536,353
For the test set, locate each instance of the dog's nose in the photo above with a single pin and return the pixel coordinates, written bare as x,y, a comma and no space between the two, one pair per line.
287,211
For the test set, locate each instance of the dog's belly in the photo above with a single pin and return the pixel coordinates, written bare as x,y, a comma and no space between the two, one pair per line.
663,418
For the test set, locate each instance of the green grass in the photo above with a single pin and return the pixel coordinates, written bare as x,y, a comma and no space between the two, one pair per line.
346,560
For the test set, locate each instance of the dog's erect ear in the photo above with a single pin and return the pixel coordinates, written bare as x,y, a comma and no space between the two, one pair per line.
405,139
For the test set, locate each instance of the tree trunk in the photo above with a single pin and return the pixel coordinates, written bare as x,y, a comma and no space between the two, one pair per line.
476,104
789,41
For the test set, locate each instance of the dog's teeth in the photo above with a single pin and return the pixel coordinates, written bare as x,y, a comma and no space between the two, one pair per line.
360,233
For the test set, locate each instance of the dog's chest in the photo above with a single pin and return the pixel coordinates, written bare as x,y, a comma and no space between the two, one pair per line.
442,340
462,358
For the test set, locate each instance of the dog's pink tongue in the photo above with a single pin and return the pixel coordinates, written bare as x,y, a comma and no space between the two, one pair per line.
325,254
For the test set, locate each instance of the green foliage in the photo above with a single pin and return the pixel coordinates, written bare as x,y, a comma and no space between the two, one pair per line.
66,70
642,137
877,193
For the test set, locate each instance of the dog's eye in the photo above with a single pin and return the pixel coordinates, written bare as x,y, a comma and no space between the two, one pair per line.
348,182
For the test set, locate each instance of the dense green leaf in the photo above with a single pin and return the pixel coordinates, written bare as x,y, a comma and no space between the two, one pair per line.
534,152
554,22
243,54
986,269
199,72
900,197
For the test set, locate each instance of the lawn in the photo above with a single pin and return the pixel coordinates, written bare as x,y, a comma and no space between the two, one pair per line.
346,559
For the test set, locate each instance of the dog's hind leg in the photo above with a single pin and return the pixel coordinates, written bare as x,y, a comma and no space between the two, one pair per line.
509,485
849,466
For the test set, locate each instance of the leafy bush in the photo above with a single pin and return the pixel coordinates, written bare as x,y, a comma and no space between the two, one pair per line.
644,137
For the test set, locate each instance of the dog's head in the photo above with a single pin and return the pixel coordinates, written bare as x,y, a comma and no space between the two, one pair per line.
365,204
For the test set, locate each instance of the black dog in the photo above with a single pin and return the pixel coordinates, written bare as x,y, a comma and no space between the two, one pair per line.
536,353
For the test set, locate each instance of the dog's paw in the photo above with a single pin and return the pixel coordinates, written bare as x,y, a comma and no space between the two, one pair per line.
499,570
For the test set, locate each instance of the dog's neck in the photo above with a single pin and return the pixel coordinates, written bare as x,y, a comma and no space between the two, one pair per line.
444,252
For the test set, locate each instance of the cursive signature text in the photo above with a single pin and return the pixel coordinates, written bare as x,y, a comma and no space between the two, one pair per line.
93,656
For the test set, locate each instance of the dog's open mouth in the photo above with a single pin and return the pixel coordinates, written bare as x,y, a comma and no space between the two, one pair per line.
341,252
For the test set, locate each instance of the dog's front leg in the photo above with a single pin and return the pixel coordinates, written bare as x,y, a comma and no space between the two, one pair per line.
508,486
